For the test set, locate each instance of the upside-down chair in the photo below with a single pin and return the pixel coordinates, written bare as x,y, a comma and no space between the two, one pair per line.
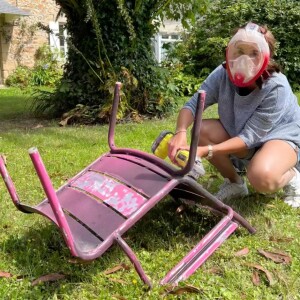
96,207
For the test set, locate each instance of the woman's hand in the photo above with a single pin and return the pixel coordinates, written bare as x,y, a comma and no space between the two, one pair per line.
177,142
202,151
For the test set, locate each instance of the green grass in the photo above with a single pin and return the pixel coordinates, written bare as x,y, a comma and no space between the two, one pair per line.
30,246
14,103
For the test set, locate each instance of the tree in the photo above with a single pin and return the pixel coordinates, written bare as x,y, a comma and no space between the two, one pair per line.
109,41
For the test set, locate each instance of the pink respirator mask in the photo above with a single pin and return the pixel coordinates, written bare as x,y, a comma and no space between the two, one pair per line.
247,56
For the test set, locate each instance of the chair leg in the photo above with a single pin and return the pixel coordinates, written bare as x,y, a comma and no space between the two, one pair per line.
8,182
11,187
53,199
202,251
133,258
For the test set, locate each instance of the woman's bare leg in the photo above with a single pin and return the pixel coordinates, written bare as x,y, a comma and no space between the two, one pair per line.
212,132
271,167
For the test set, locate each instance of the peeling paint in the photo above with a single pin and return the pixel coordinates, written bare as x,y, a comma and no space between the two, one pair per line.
115,194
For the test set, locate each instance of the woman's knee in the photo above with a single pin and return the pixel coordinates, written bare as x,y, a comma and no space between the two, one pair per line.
263,180
205,131
267,169
212,131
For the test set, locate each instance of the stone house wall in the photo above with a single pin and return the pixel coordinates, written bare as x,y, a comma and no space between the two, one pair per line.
20,37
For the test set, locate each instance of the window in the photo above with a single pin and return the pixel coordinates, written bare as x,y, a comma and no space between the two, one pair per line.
161,43
57,40
62,39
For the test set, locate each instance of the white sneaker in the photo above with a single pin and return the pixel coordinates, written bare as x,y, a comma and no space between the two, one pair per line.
230,190
292,191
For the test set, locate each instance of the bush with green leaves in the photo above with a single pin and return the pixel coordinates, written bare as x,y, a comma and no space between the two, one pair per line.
115,48
204,48
46,71
110,41
48,67
20,77
180,83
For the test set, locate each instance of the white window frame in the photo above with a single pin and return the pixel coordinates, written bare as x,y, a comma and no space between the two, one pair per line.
159,40
54,41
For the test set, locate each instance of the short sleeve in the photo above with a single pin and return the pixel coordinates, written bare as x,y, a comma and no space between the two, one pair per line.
211,86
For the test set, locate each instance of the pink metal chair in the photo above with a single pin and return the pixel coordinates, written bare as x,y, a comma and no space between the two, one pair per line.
97,206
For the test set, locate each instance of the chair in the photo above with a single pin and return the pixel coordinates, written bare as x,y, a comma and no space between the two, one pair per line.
96,207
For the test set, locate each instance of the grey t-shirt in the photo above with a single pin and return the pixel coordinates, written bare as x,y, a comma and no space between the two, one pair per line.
269,113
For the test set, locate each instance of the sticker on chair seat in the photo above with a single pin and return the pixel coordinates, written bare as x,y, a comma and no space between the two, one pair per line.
115,194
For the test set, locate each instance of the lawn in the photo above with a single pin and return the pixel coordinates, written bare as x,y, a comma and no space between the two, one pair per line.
30,246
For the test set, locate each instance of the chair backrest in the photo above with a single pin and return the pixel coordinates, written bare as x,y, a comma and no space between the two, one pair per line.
195,134
194,137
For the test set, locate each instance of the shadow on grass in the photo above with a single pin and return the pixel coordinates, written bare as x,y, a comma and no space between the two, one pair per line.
25,122
40,250
163,227
252,205
249,206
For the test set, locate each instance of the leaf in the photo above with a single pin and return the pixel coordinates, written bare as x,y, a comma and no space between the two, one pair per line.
242,252
282,278
281,239
180,209
182,290
21,277
64,122
276,256
255,278
211,179
48,278
270,196
188,202
116,269
4,158
214,270
38,126
117,280
76,260
269,222
118,297
5,274
268,273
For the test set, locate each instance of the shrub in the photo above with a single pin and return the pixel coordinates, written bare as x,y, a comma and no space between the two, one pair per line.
205,46
20,77
117,47
47,71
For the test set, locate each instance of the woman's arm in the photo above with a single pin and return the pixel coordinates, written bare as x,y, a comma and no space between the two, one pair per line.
234,145
179,140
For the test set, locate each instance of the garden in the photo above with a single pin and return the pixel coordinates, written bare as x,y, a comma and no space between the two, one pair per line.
36,264
71,133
